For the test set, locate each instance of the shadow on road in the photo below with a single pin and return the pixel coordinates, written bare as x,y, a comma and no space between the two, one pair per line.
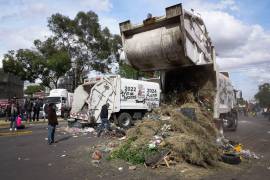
63,139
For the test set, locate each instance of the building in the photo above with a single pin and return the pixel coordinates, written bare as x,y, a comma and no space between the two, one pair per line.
10,86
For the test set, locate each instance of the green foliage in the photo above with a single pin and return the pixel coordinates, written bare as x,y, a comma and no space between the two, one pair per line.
131,154
30,90
25,63
48,63
263,96
81,39
127,71
90,47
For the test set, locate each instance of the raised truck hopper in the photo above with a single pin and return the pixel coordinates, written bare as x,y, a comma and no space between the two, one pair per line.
175,40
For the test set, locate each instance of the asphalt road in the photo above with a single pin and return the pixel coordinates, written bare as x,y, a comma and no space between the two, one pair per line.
27,155
254,134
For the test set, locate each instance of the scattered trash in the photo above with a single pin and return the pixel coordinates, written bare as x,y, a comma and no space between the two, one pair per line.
89,130
248,154
268,168
49,164
189,112
238,148
183,171
75,136
19,158
122,138
165,118
151,146
97,155
75,130
268,132
95,163
120,168
132,167
63,155
154,159
46,139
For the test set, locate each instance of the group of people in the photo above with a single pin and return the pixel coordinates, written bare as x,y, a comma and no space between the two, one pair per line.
32,107
15,116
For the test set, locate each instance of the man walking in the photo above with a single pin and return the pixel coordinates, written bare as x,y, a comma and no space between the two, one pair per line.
52,122
105,124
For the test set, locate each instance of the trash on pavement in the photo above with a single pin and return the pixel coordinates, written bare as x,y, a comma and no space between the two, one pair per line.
132,167
63,155
122,138
238,148
120,168
97,155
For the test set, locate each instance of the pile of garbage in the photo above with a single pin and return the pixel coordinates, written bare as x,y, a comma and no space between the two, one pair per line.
184,133
234,153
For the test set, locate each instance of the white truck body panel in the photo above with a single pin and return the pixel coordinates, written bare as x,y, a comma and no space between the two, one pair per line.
120,93
59,97
226,95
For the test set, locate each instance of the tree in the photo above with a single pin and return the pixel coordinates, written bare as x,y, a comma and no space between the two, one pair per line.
56,59
89,46
263,96
32,89
48,63
24,63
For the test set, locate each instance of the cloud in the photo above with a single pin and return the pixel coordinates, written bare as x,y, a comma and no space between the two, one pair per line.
98,5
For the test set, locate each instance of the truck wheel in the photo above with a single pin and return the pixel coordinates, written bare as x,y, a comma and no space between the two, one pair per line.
231,158
125,120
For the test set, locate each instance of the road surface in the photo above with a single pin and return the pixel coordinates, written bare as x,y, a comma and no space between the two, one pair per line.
26,155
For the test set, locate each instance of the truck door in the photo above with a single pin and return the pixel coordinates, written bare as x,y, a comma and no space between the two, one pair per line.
102,92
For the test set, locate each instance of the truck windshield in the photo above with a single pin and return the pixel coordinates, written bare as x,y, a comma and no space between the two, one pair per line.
53,99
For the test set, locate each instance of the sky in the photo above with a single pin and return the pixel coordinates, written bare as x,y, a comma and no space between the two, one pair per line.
239,29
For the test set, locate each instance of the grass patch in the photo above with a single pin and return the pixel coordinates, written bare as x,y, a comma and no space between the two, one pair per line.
134,155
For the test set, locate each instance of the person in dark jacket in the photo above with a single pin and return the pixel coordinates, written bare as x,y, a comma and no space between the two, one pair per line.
36,109
52,122
28,108
105,124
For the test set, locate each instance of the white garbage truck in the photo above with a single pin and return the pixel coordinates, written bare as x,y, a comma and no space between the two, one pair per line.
61,98
179,47
128,99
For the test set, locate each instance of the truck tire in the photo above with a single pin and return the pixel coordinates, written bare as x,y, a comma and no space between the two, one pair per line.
124,120
231,158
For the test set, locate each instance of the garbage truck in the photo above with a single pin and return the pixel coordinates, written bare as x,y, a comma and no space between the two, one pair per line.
128,99
62,99
179,47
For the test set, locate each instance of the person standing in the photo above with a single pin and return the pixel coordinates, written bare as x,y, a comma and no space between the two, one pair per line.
14,112
52,122
36,110
28,108
105,124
